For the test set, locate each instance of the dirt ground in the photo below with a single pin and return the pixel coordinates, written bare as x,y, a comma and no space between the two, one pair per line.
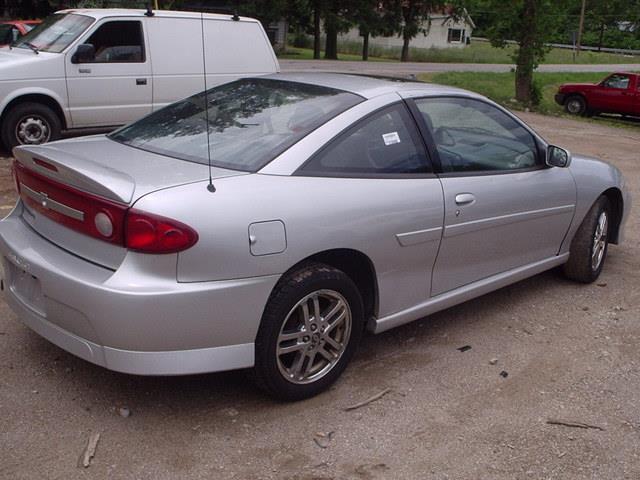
571,353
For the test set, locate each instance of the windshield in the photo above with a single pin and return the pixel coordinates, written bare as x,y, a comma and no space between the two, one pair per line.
55,33
251,121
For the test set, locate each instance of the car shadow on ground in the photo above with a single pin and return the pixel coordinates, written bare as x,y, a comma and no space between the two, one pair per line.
97,388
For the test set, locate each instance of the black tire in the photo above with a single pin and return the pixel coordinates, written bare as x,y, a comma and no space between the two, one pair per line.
575,105
580,266
41,125
270,370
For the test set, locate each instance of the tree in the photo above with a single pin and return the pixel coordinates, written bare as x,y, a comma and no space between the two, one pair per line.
413,17
370,18
530,23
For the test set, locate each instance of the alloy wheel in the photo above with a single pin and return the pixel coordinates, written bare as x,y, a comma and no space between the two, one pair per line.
314,336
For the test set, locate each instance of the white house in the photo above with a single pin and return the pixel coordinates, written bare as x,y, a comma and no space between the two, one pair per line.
445,32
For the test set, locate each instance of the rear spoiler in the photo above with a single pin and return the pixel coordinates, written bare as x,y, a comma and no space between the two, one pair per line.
77,172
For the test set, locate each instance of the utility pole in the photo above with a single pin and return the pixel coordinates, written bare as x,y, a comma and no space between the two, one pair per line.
581,27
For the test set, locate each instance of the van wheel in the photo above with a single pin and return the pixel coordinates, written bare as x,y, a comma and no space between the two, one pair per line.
30,124
575,105
589,246
310,329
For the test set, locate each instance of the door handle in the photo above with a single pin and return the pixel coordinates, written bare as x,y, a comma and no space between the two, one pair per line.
465,199
84,70
141,81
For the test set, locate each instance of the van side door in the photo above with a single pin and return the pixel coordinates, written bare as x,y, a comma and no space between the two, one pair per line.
114,85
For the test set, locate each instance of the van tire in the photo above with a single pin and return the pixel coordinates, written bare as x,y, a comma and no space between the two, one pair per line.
29,123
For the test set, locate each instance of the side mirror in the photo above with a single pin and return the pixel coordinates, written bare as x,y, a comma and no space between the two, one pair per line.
558,157
85,53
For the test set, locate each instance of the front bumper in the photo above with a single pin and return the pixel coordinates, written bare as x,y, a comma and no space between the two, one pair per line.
560,98
138,319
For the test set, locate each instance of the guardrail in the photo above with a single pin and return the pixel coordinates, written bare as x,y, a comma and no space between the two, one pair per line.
619,51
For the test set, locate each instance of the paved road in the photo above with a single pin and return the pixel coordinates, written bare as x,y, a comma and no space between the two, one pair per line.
409,68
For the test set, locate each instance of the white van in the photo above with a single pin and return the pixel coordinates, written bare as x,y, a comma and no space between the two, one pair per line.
105,67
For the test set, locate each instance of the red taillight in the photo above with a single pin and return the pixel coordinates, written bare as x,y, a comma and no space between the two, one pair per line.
101,218
150,233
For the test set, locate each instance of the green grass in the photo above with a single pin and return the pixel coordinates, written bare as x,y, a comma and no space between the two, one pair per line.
500,87
293,53
477,52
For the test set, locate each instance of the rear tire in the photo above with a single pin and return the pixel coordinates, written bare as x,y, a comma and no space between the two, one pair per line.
310,329
590,244
30,124
575,105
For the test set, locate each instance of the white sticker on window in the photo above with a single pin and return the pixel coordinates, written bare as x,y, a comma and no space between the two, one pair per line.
391,138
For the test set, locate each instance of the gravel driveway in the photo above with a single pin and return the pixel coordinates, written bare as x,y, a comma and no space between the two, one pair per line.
569,352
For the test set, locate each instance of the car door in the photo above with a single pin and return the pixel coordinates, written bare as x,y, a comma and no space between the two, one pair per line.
374,180
504,208
115,87
614,94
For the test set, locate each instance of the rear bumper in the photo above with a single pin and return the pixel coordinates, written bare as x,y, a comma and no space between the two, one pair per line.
138,319
559,98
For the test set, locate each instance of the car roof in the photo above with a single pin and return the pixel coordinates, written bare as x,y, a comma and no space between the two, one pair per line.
370,86
99,13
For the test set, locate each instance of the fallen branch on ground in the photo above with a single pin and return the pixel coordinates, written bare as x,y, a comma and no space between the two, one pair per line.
569,423
377,396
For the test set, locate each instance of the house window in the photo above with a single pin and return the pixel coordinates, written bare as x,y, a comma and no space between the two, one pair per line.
454,35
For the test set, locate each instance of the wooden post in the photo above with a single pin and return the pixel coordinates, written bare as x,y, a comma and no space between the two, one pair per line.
581,26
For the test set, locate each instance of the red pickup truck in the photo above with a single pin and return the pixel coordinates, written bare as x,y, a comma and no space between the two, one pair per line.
618,93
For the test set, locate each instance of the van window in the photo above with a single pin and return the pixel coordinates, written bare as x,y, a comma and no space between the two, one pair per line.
118,42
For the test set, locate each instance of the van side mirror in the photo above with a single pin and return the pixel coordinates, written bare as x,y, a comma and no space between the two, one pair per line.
85,53
558,157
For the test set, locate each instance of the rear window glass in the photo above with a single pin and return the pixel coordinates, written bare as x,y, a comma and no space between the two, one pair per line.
250,122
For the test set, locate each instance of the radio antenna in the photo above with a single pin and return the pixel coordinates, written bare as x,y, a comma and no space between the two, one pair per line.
210,186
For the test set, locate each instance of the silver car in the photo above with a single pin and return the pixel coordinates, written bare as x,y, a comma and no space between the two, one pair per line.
268,222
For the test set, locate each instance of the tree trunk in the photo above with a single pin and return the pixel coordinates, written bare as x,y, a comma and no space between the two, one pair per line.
526,54
600,40
316,31
331,45
365,46
404,56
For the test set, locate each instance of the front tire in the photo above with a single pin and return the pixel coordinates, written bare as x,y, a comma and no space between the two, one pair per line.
30,124
575,105
310,329
590,244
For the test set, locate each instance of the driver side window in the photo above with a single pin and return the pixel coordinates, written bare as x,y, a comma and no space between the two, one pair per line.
118,42
385,142
473,136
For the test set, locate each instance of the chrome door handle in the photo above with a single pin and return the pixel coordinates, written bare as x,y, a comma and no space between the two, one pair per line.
141,81
465,199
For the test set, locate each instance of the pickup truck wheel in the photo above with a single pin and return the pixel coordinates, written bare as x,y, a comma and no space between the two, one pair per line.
30,124
310,329
575,105
589,246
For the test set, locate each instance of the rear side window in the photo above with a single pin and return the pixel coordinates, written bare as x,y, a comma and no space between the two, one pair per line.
118,42
381,144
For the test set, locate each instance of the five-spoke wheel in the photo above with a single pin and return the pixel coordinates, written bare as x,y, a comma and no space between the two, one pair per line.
310,329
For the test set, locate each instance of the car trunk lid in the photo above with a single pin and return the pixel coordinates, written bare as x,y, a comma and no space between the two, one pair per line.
66,184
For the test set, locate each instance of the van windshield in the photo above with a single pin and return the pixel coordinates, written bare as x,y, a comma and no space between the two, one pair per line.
55,33
250,122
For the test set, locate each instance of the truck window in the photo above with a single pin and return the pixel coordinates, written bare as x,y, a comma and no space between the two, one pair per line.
118,42
617,81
